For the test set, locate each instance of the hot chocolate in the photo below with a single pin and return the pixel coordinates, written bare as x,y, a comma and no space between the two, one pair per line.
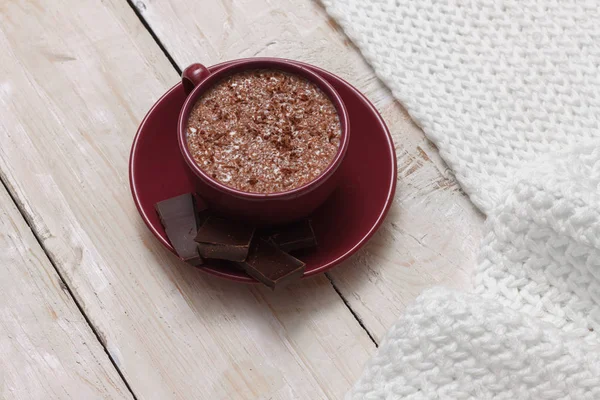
263,131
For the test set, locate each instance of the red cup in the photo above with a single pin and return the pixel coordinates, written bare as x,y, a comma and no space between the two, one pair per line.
260,208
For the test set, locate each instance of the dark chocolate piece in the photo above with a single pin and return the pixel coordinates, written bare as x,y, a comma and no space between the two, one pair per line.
179,217
271,266
223,239
295,236
202,215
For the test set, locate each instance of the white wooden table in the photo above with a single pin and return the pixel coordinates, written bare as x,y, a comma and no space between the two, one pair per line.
92,307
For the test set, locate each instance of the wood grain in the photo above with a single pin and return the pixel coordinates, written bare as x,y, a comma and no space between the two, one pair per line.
76,78
432,232
47,349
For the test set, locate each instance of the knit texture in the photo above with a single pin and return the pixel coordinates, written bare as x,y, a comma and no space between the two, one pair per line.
509,91
531,329
494,84
541,250
452,345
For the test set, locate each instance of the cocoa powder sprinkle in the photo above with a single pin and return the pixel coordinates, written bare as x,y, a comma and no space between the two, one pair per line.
264,131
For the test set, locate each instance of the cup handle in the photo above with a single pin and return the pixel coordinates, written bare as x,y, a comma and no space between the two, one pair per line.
192,76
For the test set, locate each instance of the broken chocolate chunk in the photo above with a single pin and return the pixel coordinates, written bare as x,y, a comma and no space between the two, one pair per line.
202,215
295,236
179,217
271,266
223,239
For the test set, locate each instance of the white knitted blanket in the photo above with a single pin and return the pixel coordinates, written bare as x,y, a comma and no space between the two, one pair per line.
509,91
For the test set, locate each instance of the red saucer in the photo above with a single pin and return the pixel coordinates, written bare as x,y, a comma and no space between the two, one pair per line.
342,225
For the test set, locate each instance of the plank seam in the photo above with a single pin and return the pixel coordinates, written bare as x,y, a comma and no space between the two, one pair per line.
62,282
154,36
347,304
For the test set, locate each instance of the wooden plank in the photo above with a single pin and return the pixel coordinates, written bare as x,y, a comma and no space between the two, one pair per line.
432,231
76,78
47,349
